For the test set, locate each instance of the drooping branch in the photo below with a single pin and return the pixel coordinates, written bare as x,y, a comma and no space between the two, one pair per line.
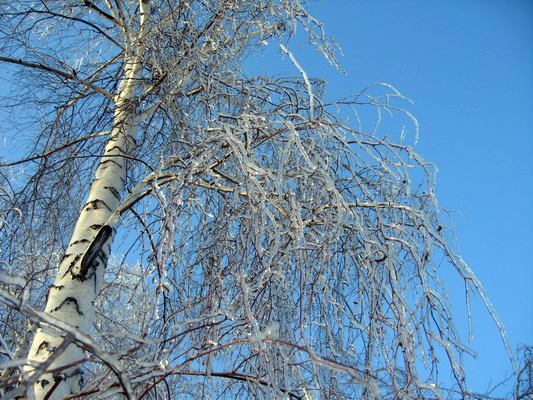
266,237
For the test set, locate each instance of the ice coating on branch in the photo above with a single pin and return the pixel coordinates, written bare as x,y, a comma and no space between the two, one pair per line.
270,332
262,246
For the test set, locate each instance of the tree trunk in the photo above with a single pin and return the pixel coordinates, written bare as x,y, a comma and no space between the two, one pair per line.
80,273
71,297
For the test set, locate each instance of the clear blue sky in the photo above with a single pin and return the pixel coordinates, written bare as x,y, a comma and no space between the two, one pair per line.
468,66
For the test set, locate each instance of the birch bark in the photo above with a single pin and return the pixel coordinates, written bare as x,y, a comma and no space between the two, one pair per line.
80,273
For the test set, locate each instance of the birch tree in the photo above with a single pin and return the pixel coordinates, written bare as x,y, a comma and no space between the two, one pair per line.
177,228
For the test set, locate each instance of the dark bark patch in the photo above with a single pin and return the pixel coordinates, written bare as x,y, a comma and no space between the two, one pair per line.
79,241
95,205
42,346
104,163
119,149
69,300
72,265
95,251
67,255
113,191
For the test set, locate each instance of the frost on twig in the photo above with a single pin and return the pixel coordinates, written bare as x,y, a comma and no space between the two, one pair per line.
269,244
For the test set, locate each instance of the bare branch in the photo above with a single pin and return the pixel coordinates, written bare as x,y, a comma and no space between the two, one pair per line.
57,72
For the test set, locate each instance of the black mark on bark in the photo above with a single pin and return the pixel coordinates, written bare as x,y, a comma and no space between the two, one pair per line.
94,251
79,241
42,346
96,204
69,300
113,191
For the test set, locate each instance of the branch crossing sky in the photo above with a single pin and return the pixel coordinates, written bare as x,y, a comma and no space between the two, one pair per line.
468,67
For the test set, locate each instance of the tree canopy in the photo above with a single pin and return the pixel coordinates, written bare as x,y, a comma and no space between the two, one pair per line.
261,246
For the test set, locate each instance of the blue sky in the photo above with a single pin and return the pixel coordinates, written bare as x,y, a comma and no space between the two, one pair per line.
468,67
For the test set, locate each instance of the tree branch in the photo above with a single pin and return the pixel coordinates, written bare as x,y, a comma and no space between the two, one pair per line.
54,150
58,73
88,23
100,12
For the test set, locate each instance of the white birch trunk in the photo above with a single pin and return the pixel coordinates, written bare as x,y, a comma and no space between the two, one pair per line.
77,284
